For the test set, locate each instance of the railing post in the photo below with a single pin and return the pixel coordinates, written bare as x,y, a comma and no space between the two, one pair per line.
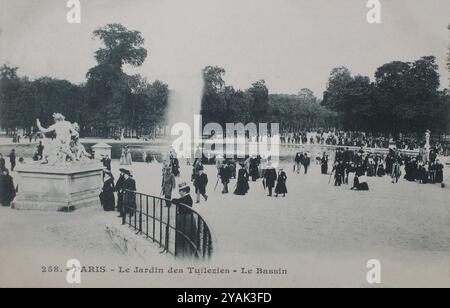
176,232
140,213
166,242
146,216
122,210
154,219
160,222
133,209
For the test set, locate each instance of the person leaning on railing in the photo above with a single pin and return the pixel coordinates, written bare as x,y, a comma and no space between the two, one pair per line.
185,222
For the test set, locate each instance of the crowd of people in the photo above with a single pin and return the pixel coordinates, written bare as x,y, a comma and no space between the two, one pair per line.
423,168
357,139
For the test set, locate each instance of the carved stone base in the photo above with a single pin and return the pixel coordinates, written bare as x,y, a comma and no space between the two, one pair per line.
58,188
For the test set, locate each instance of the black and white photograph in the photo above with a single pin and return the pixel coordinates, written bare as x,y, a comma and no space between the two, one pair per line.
224,144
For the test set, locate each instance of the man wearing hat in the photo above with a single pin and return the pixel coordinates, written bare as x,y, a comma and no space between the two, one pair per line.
200,182
225,176
185,198
129,199
270,177
306,162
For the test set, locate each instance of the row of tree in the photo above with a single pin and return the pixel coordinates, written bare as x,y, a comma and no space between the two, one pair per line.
108,103
223,103
404,97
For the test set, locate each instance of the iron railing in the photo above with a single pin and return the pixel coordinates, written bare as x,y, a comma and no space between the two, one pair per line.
176,228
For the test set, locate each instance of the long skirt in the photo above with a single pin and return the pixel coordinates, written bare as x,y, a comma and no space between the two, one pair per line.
129,160
324,168
108,201
185,246
242,187
281,188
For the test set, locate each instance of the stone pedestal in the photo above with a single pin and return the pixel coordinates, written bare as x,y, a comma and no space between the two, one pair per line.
101,150
58,188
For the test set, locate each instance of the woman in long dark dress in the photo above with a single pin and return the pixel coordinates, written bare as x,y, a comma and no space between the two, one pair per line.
242,186
7,189
281,188
107,195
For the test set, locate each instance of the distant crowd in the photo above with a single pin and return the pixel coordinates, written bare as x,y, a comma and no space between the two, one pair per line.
358,139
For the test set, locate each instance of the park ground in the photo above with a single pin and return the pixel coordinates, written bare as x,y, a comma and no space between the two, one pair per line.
321,234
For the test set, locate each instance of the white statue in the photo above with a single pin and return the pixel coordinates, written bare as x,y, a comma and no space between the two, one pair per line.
427,139
76,147
64,132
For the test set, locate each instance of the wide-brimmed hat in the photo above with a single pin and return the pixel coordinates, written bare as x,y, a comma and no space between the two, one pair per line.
125,171
183,187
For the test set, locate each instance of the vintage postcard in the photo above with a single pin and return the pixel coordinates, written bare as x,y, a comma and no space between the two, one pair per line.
224,144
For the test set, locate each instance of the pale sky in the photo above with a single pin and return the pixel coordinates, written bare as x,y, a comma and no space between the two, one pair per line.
292,44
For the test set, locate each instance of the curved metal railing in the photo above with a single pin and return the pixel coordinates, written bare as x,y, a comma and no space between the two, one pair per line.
177,228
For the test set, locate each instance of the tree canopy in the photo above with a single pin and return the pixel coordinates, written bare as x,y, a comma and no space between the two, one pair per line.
108,102
404,97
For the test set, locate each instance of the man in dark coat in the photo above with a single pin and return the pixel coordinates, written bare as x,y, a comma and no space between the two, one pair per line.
12,159
339,169
439,172
40,150
200,183
306,162
270,177
225,176
7,189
